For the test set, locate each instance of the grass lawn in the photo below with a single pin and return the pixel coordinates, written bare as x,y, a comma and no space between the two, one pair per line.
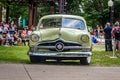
14,54
18,54
104,58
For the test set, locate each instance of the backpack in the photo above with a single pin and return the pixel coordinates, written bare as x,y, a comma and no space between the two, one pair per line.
117,33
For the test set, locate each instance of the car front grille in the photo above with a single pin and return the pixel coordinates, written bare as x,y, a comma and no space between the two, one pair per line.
59,45
54,43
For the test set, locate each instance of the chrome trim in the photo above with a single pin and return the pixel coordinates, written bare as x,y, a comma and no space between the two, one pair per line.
61,54
59,46
65,47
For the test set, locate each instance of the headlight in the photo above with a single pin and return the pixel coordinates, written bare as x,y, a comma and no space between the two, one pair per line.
85,38
34,37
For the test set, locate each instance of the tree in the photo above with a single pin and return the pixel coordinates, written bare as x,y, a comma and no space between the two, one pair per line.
73,7
96,11
17,10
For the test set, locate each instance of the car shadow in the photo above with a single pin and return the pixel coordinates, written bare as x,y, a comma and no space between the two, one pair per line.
64,62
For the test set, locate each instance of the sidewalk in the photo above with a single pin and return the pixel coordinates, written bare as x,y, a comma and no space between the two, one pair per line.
13,72
57,72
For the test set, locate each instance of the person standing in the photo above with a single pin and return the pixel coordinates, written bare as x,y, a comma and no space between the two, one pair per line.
97,31
101,34
108,38
116,34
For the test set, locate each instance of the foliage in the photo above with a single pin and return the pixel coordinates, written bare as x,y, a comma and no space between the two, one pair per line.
99,12
17,10
73,7
95,11
117,10
43,9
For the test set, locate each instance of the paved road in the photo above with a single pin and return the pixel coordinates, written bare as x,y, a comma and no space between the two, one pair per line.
57,72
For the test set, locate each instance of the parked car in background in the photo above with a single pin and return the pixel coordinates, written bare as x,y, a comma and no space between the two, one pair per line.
60,37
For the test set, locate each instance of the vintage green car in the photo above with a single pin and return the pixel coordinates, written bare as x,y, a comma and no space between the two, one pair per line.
60,37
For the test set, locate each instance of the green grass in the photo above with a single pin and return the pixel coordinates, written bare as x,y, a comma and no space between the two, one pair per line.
14,54
18,54
103,58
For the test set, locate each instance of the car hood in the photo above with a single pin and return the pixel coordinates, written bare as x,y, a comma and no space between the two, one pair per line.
67,34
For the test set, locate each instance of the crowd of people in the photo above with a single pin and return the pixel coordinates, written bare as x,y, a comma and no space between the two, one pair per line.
109,33
10,35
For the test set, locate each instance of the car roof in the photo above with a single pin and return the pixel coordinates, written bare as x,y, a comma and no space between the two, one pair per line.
63,15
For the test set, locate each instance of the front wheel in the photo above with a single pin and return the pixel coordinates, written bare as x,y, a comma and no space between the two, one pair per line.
85,60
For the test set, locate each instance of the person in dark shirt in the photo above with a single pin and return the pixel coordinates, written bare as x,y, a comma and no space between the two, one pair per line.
108,38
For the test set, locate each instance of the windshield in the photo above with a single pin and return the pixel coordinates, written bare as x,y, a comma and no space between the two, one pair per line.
73,23
65,23
51,23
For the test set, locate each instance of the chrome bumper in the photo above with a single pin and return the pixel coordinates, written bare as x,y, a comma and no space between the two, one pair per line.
61,54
